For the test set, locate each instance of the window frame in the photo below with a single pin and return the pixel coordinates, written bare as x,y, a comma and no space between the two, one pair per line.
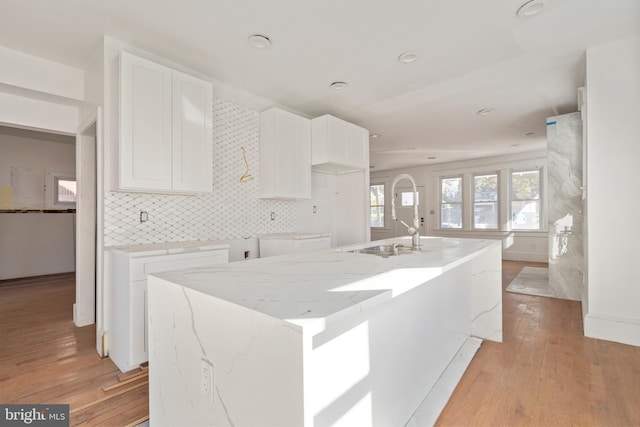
441,179
496,202
377,206
539,200
56,185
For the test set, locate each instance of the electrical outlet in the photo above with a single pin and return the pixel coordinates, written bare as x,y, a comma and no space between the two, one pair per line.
206,379
247,254
273,216
144,216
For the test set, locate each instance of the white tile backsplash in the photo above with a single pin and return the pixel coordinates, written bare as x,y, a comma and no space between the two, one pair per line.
232,211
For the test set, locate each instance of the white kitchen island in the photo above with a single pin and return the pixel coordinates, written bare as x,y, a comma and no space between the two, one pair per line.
325,338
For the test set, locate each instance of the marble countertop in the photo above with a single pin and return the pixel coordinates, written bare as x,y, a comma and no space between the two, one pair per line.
292,236
151,249
311,290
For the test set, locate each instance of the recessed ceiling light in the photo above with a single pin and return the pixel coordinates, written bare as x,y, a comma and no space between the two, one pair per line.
530,133
411,148
431,158
530,8
374,135
485,111
515,145
259,41
338,85
408,57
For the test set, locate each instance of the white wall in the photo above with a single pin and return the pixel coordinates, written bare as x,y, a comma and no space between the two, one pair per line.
521,246
21,70
318,214
337,206
39,94
34,244
23,148
613,150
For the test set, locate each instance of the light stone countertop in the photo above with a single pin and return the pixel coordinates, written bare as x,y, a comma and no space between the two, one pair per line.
311,290
150,249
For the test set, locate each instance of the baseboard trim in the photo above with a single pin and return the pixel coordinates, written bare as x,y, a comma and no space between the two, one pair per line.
622,330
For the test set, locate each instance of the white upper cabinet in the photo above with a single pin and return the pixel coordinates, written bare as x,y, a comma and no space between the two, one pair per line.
285,155
166,137
145,124
192,133
338,146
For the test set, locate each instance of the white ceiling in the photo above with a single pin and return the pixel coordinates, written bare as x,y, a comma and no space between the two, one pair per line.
474,54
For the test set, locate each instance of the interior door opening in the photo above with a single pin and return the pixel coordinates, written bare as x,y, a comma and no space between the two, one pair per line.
404,210
85,307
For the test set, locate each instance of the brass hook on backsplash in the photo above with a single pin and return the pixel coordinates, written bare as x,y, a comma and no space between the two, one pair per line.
247,176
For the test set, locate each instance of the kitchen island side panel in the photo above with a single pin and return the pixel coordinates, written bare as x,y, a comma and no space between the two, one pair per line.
486,294
256,362
376,368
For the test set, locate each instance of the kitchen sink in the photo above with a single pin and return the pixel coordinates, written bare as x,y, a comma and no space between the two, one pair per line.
384,251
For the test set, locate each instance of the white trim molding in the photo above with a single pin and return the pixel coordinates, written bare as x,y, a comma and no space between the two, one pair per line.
618,329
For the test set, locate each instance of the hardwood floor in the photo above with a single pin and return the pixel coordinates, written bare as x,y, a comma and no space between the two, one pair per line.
45,358
545,373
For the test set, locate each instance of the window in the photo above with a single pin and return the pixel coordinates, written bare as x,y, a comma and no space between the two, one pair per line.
377,205
525,200
64,191
451,202
485,201
406,198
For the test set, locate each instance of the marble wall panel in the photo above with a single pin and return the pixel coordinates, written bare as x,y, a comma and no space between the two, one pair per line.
564,193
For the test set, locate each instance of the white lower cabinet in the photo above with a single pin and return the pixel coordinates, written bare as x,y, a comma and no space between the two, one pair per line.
127,286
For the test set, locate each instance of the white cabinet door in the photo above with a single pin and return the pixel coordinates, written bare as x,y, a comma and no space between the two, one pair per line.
302,160
285,155
145,124
139,331
338,140
284,148
357,146
192,133
338,146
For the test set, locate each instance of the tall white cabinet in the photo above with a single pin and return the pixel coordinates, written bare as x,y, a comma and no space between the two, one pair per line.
285,155
340,202
166,134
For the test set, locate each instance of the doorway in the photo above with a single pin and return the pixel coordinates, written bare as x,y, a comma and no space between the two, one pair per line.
84,309
404,210
88,308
